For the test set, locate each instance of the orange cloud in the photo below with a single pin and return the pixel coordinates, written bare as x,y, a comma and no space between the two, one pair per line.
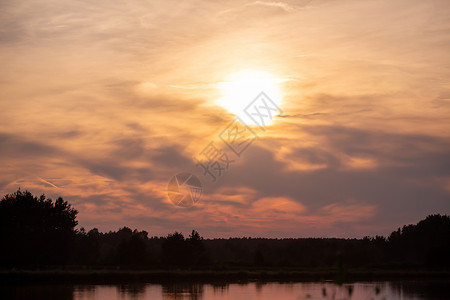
102,103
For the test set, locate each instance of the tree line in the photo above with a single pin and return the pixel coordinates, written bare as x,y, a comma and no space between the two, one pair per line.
36,232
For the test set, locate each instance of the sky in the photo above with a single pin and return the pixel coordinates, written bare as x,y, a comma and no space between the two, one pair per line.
103,102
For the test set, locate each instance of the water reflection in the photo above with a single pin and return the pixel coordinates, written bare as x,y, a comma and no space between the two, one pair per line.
131,291
57,292
420,290
176,291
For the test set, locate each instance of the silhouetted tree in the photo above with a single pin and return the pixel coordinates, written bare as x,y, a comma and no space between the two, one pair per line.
133,250
175,251
35,231
425,244
196,250
86,250
259,258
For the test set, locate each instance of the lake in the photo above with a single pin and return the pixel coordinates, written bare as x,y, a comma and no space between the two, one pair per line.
414,290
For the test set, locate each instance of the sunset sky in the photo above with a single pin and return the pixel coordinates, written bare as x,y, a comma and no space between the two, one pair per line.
102,102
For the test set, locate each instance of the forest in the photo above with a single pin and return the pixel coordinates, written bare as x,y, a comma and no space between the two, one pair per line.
39,233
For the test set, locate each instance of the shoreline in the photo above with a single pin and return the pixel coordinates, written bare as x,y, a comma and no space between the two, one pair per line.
206,276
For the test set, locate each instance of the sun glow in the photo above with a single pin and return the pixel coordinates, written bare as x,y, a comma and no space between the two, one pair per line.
244,86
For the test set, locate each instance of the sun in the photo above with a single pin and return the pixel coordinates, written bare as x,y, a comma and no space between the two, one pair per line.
244,86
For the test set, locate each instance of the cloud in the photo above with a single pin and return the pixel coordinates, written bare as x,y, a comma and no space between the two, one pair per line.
103,102
338,212
385,188
14,145
282,5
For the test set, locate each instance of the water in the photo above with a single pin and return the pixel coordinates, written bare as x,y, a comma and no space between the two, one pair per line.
240,291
